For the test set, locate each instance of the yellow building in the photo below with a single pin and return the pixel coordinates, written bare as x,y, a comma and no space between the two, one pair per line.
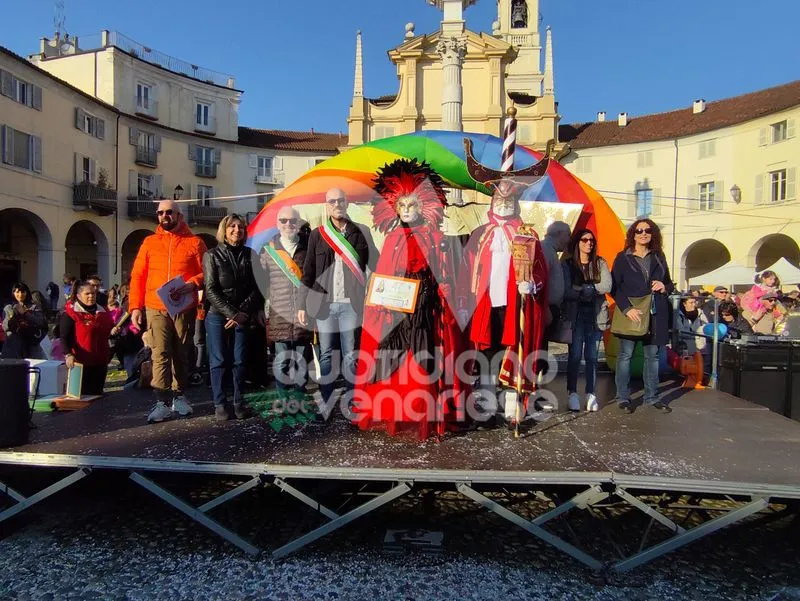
718,177
456,79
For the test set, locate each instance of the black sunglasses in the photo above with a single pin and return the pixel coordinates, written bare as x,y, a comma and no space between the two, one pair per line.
587,240
164,212
285,220
644,230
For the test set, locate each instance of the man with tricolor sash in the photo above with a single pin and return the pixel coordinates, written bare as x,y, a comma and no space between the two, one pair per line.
282,258
334,283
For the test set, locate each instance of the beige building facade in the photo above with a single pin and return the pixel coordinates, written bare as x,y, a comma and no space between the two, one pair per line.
719,177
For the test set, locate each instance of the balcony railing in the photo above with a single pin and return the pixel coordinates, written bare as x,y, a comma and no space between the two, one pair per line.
275,178
146,156
202,215
148,110
140,206
211,128
88,195
205,170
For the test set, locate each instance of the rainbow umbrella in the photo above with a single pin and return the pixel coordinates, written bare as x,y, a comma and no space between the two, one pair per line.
354,170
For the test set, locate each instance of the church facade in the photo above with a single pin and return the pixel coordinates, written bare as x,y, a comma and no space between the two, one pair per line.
456,79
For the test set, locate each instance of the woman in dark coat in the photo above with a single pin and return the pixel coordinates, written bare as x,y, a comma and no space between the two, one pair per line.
639,270
24,324
233,300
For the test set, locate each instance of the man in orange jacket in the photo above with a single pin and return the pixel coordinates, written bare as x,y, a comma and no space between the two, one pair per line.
172,251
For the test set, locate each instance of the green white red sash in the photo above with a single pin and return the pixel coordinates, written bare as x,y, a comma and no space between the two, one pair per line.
285,263
344,249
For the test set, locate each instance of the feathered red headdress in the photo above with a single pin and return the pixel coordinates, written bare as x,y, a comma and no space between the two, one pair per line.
407,177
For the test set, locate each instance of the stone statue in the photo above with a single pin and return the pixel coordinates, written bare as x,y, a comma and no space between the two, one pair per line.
519,14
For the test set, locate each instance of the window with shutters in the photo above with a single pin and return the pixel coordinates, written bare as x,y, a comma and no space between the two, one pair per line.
146,185
265,168
644,158
86,169
204,194
147,149
205,161
21,150
20,90
644,202
204,116
777,182
779,131
706,195
583,165
706,149
144,94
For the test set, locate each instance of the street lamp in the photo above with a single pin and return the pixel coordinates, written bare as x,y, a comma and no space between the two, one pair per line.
736,194
178,193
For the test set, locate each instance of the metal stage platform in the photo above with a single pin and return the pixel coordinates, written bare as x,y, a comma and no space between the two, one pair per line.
712,446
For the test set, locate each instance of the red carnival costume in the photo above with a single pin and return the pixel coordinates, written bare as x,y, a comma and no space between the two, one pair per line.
504,280
92,331
407,359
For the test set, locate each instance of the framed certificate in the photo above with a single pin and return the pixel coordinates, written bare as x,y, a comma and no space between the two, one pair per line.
390,292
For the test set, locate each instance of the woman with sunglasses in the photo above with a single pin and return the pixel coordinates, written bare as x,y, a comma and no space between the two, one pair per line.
587,280
641,270
233,299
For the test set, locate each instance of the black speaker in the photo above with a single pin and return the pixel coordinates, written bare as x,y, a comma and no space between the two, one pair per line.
14,410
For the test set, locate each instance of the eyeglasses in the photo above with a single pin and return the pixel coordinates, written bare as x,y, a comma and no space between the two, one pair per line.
164,212
644,230
285,220
587,240
335,201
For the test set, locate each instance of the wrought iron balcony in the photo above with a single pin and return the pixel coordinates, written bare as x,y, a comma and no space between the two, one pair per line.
274,179
205,170
141,206
202,215
146,156
86,195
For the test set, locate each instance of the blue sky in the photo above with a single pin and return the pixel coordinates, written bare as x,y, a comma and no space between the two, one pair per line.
294,58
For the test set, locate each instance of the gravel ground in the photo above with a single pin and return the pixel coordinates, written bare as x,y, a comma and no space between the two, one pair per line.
108,539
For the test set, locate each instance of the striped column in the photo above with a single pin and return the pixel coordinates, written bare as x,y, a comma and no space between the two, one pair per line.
509,140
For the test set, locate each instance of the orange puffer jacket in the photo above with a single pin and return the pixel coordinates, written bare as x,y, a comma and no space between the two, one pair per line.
163,256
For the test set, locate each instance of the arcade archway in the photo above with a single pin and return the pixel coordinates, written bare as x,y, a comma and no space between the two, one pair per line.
129,249
702,257
87,251
771,248
26,251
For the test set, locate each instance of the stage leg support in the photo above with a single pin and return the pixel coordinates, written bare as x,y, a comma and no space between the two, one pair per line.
24,502
593,495
390,495
688,536
231,494
197,515
316,506
537,531
645,508
10,492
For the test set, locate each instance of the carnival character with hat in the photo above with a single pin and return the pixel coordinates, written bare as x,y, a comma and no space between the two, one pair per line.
410,337
503,287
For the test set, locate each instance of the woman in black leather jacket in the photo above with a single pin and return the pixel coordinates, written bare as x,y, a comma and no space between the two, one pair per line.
233,299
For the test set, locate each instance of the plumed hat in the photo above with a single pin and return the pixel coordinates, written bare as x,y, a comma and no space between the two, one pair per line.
403,178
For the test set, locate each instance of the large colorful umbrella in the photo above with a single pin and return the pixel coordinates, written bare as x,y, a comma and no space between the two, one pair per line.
353,171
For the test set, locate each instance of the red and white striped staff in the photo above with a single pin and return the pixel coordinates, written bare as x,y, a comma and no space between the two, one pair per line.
509,140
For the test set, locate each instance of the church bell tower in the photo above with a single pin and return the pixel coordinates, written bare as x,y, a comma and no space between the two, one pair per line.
518,24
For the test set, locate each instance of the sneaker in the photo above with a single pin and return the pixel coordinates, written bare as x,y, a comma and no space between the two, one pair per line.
221,413
574,402
242,411
626,406
159,413
662,407
591,402
181,406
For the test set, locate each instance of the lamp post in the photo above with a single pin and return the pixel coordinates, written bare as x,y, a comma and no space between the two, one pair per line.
736,194
177,193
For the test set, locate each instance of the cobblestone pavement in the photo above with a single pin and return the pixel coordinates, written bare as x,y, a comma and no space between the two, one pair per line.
108,539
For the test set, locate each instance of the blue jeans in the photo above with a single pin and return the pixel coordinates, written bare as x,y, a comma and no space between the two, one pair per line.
342,321
585,343
226,348
650,376
286,354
